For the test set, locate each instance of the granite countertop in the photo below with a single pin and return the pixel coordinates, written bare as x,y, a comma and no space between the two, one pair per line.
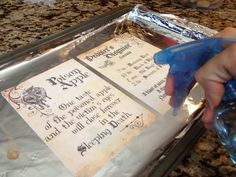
22,23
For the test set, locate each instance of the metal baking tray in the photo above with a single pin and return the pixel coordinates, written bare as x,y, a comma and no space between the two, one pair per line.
37,57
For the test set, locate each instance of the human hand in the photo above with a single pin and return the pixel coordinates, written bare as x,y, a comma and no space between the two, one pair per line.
204,77
215,73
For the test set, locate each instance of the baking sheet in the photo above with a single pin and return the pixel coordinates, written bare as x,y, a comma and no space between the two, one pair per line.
24,153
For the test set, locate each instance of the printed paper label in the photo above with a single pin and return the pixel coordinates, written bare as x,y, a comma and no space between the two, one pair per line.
128,61
83,119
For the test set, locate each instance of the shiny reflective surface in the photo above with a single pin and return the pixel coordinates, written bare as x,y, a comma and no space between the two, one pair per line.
225,126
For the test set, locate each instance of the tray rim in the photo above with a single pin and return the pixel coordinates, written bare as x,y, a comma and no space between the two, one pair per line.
176,153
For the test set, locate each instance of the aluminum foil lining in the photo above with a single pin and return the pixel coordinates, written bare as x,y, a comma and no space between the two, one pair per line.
140,22
162,22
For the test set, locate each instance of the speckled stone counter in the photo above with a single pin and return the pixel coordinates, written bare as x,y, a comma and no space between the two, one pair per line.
22,23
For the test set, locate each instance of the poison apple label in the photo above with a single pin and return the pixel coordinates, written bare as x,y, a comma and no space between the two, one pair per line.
83,119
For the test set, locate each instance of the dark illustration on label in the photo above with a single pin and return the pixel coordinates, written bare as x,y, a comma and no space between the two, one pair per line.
136,123
32,98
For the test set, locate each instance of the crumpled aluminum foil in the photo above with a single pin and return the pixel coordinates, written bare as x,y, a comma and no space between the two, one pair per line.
170,25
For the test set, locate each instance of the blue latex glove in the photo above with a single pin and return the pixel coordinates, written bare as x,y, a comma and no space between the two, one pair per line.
185,59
